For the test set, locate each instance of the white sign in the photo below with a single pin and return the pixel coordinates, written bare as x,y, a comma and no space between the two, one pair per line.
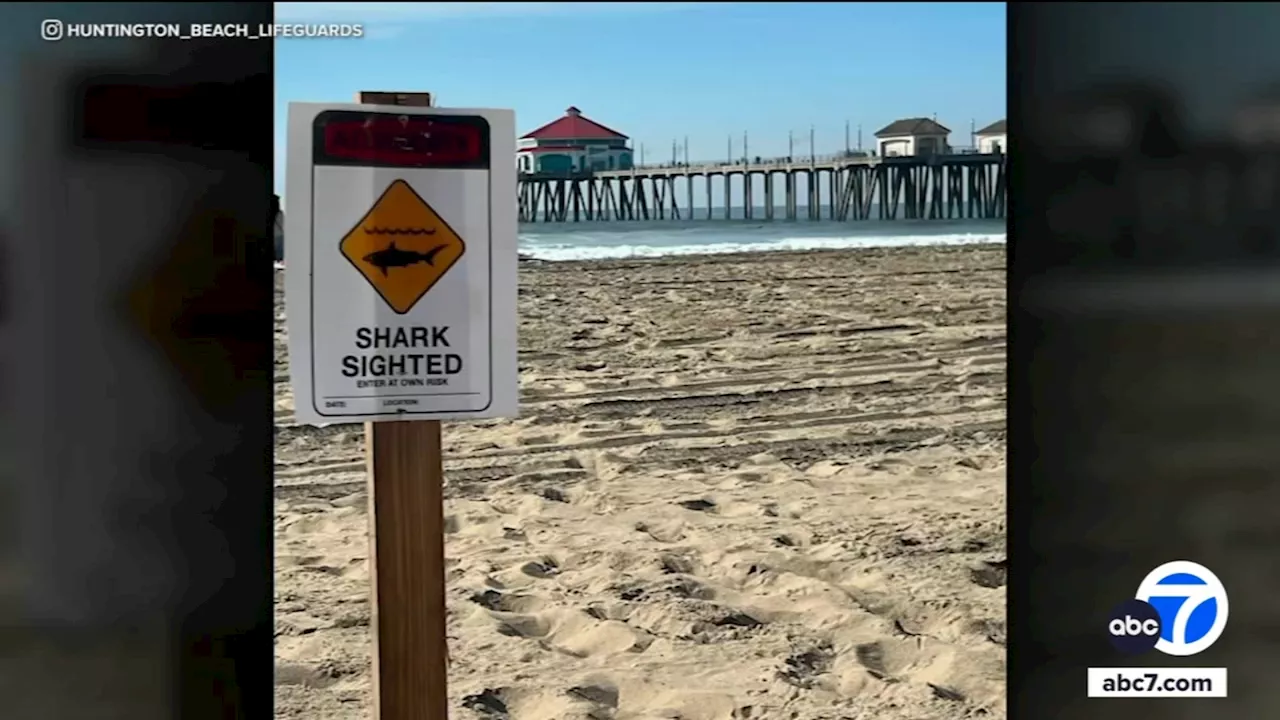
400,246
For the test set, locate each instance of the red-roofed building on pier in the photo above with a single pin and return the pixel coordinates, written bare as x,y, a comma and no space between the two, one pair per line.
572,144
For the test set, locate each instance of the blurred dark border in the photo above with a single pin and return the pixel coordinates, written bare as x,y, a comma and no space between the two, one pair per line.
1144,367
136,559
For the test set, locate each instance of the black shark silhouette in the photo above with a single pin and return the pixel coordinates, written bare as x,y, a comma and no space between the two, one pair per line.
392,256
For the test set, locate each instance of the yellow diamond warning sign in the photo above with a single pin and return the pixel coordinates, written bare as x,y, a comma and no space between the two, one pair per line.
402,247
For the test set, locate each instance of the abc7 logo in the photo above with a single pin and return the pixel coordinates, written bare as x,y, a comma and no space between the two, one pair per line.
1135,627
1180,609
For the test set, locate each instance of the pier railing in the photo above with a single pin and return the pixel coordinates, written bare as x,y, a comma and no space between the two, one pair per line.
859,187
753,164
791,160
758,161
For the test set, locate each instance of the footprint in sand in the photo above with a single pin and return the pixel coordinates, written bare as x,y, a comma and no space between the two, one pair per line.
738,619
683,587
990,574
507,603
670,531
514,703
676,564
539,440
554,495
872,657
803,668
579,634
487,703
541,569
793,539
605,695
306,676
525,626
698,505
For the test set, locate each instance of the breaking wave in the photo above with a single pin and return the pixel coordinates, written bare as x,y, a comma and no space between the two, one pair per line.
559,251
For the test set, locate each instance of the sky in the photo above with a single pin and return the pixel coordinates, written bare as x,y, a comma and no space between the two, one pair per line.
663,72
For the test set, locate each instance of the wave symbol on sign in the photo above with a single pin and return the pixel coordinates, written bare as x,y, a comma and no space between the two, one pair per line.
398,231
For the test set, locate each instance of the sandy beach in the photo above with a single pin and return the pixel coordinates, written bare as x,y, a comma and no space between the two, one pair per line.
743,487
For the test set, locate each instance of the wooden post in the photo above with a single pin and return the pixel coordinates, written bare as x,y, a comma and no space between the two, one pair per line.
405,466
406,561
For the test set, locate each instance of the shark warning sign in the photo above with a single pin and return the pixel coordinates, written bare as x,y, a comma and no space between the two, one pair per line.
400,288
402,246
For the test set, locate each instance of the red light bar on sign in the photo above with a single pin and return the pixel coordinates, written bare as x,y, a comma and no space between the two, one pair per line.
404,140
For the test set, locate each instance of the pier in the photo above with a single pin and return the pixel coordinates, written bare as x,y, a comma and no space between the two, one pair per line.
929,187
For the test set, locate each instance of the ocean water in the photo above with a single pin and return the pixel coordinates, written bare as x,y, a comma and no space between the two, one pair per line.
657,238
